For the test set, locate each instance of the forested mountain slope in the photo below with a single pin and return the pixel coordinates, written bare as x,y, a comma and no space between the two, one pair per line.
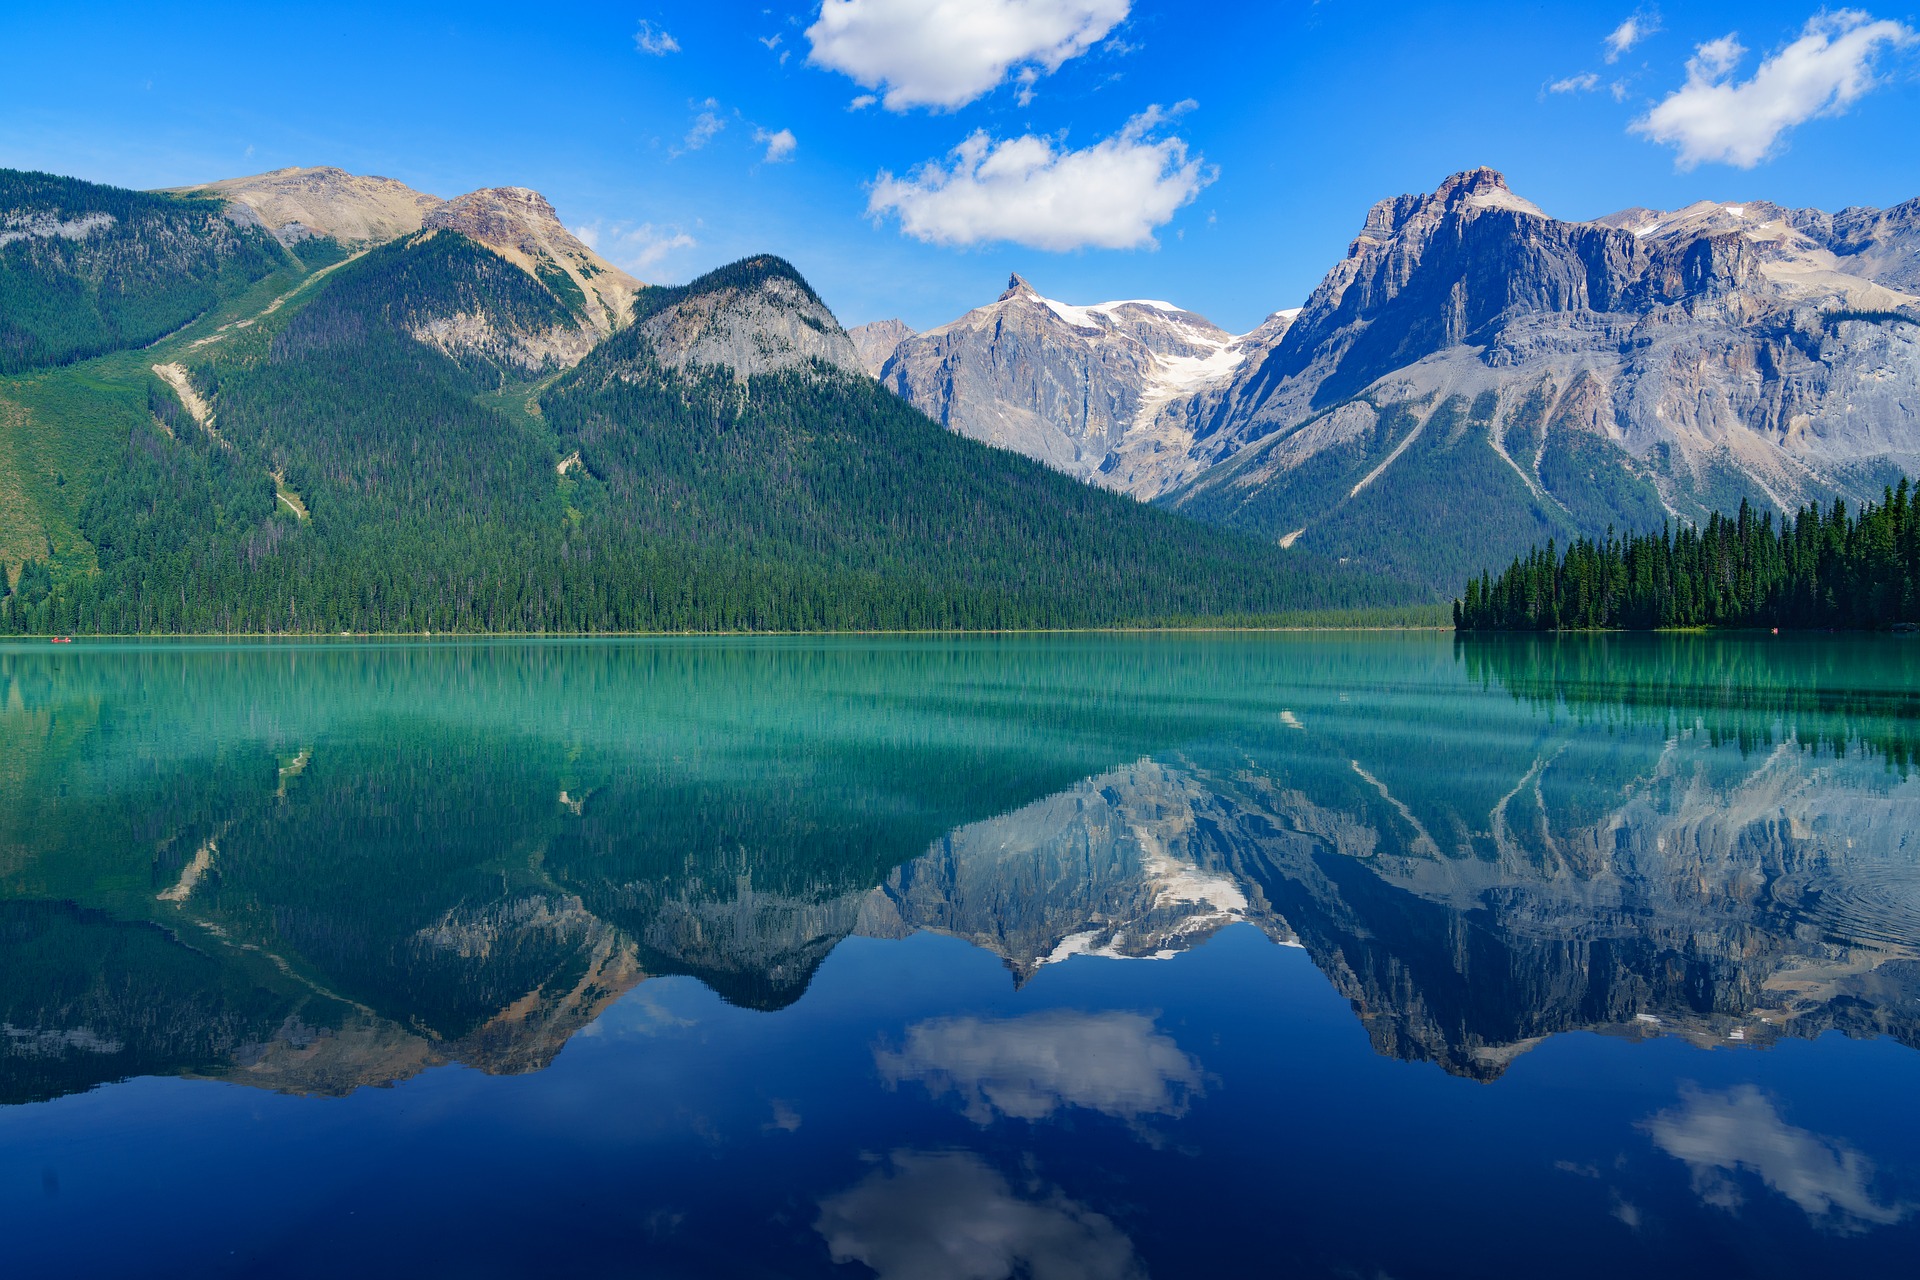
856,510
414,443
86,269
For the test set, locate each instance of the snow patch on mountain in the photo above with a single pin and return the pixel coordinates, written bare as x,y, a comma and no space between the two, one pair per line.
1073,385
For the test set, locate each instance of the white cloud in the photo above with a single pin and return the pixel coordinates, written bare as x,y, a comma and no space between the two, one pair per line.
946,53
639,249
862,102
1026,190
1630,33
1030,1067
650,40
949,1216
706,127
1719,1134
1713,119
779,145
1585,82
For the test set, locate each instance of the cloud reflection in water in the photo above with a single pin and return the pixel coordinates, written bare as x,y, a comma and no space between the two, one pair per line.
947,1215
1027,1068
1720,1134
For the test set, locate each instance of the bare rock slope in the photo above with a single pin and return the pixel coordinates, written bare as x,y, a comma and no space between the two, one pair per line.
1075,387
298,202
359,211
756,316
876,341
522,227
1476,362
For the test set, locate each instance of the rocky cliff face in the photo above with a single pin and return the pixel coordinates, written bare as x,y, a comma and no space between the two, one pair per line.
754,317
1075,387
875,341
1704,327
522,227
476,333
1482,372
1559,377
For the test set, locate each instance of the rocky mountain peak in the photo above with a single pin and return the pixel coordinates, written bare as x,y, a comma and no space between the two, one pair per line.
497,216
1468,183
1461,195
520,225
362,210
1484,188
321,200
755,316
1073,386
1017,287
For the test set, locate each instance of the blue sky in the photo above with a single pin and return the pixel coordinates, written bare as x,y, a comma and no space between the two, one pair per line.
907,155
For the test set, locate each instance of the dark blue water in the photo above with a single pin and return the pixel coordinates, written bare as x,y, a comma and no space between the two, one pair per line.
1356,956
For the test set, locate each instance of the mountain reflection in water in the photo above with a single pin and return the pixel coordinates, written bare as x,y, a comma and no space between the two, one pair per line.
317,868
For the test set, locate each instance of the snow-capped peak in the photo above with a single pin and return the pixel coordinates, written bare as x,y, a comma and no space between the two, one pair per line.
1151,304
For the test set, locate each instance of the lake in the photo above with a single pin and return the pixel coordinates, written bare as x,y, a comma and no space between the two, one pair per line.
1073,958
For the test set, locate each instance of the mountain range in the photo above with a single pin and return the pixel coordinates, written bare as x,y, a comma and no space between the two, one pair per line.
1475,377
313,401
310,399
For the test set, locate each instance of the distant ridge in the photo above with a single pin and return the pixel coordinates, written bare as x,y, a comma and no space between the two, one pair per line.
361,211
297,202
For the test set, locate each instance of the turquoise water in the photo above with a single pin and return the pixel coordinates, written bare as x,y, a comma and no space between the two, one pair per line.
1054,957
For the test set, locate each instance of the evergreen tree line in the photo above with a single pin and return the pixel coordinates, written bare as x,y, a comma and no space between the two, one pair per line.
1820,569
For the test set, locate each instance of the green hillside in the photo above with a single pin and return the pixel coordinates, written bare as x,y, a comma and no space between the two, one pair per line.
353,477
91,269
149,278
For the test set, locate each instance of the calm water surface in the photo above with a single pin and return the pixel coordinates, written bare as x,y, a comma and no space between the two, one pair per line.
1072,959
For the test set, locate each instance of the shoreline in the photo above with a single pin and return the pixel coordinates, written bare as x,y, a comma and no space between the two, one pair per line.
309,637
